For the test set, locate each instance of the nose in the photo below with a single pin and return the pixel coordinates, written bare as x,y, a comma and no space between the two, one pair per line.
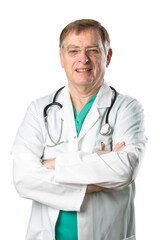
83,58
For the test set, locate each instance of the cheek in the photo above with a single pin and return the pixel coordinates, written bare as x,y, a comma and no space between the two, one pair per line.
101,65
66,64
69,68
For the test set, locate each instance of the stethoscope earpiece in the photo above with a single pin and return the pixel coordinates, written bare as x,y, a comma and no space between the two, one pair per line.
106,129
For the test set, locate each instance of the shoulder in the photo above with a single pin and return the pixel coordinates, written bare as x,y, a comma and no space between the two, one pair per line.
126,101
37,106
125,105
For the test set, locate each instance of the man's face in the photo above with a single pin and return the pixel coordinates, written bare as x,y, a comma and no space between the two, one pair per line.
83,58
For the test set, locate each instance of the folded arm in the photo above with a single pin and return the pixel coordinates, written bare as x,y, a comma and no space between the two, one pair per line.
114,170
34,181
74,171
50,164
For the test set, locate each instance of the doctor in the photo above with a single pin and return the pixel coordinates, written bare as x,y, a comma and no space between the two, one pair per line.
81,180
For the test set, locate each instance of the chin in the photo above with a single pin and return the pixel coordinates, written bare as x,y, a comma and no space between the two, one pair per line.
85,81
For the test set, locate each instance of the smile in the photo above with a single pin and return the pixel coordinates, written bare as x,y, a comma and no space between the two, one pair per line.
83,69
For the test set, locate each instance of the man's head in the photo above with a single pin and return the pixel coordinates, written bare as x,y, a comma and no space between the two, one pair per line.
86,24
85,52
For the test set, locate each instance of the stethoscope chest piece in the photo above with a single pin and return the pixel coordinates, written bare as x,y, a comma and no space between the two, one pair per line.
106,129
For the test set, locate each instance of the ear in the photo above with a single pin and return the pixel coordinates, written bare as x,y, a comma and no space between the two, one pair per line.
61,58
109,56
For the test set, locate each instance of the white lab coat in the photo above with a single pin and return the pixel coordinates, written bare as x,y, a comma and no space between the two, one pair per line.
104,215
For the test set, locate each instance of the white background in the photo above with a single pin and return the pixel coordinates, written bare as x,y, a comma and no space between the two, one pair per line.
30,68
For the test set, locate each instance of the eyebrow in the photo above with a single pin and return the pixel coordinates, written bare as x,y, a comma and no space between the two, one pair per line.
74,46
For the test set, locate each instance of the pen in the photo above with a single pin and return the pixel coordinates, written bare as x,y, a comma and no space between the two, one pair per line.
102,146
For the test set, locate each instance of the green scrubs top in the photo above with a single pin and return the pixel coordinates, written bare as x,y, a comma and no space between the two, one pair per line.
66,225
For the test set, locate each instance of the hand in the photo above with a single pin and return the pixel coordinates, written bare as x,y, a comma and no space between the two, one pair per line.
93,188
119,147
50,163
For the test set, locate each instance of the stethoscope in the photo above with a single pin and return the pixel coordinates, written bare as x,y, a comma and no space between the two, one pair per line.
105,130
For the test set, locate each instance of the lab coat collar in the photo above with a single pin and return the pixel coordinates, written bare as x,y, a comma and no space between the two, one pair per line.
102,100
104,96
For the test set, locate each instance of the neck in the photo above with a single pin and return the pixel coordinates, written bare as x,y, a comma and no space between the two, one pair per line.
81,95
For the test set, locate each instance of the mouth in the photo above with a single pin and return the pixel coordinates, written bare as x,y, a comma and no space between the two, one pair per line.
83,70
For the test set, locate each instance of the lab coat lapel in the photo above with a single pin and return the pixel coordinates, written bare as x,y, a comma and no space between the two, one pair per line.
89,121
66,111
102,100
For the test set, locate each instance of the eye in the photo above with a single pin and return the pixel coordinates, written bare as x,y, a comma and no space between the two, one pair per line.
93,51
73,52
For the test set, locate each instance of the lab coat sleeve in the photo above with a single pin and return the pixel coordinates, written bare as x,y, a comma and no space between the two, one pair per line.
34,181
110,170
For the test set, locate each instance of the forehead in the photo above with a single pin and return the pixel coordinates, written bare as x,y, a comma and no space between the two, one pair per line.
86,37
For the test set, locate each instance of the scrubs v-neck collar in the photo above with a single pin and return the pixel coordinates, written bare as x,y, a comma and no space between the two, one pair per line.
79,119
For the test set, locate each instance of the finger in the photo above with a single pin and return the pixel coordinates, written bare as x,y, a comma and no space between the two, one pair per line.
93,188
50,163
116,148
43,162
119,147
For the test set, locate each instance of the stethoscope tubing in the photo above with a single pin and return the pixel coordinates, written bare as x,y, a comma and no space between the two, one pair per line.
110,108
54,103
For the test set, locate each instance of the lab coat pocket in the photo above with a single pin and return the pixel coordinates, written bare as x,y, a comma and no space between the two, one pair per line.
34,233
103,144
